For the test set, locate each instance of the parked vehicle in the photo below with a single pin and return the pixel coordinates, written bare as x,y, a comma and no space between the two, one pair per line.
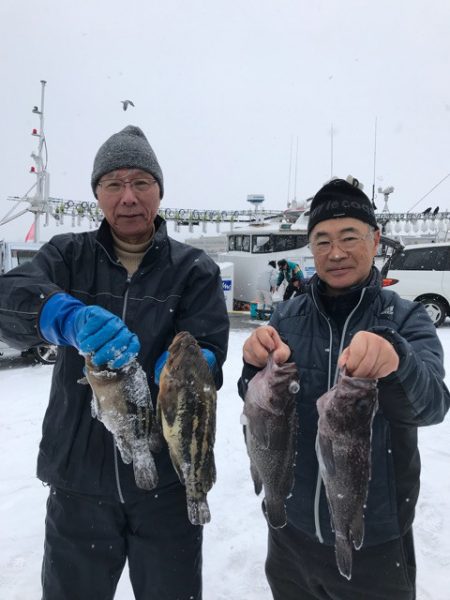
13,254
421,273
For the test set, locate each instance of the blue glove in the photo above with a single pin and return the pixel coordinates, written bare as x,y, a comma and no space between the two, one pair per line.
159,366
66,321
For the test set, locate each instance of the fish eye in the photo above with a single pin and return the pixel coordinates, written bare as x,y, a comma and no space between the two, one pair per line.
294,387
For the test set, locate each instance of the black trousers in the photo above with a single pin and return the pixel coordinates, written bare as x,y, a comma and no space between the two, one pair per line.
88,540
300,568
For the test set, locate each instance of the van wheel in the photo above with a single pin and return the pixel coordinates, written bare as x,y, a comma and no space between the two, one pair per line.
46,354
436,309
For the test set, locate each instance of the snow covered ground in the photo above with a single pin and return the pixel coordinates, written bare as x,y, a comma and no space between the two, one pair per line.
235,540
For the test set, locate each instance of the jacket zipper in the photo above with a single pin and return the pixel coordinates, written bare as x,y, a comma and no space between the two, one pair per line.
116,455
336,374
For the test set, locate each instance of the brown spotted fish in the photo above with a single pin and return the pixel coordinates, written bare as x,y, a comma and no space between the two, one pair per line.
187,411
122,402
346,413
270,419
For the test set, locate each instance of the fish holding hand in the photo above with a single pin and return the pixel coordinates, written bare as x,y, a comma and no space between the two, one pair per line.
343,448
270,419
186,409
122,402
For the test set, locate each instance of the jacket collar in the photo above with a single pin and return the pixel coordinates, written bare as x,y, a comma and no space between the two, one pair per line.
372,287
105,240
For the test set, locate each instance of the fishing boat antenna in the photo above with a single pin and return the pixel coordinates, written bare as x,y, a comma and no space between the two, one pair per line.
295,176
374,164
331,151
289,177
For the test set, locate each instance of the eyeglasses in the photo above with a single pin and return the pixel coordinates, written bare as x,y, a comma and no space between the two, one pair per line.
116,187
346,243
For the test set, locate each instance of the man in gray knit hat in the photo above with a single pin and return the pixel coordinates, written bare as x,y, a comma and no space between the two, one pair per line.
117,293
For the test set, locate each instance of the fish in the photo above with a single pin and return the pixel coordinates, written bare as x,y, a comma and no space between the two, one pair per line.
122,401
343,448
186,409
271,423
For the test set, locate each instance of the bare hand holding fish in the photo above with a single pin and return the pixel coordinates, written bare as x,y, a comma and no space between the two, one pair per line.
262,341
369,355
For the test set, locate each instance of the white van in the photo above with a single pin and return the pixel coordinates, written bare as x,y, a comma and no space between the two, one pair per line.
421,273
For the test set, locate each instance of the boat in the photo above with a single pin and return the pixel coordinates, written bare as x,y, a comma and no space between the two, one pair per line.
250,248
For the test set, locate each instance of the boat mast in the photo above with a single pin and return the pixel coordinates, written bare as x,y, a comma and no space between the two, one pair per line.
40,199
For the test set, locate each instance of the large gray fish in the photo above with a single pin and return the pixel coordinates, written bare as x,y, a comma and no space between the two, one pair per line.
270,418
187,411
346,413
122,402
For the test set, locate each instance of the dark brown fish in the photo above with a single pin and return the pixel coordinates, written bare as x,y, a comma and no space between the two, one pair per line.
270,418
122,402
346,413
187,411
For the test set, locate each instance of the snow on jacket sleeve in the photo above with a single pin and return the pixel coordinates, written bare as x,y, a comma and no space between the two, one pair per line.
23,290
416,393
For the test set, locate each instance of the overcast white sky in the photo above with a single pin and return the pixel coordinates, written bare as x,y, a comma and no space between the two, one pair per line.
221,88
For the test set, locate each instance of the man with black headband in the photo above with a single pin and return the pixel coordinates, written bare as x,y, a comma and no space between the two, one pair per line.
345,319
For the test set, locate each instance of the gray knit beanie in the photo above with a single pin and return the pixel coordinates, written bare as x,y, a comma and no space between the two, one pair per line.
127,149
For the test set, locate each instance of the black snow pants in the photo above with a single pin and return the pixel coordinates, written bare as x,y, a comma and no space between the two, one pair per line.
88,540
300,568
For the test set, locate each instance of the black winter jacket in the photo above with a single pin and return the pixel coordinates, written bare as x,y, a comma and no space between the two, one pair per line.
176,288
414,395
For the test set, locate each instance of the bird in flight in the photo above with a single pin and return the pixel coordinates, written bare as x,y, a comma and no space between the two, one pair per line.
126,103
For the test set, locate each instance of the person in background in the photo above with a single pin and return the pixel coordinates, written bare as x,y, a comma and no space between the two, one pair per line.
296,287
288,272
266,285
117,293
346,320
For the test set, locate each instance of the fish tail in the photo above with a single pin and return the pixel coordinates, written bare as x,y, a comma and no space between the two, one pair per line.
275,512
144,467
198,511
344,556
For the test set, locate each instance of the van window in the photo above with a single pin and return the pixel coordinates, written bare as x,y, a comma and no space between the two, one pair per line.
422,259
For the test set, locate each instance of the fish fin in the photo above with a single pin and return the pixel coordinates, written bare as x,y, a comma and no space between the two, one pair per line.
95,407
275,512
198,511
156,436
144,466
324,450
167,400
83,381
257,482
357,529
178,469
124,448
344,556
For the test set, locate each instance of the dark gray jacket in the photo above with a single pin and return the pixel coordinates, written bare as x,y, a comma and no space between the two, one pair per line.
413,396
176,288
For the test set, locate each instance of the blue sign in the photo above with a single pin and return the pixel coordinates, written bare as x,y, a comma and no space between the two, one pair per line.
226,285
